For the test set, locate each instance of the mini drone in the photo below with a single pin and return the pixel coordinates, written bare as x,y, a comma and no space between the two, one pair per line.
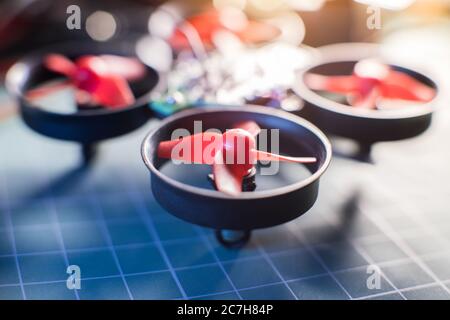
352,92
111,91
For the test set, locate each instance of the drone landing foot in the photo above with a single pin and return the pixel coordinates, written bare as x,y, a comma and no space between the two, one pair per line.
88,152
236,238
233,238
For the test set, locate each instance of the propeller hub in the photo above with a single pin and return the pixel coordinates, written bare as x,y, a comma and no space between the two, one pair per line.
237,150
85,79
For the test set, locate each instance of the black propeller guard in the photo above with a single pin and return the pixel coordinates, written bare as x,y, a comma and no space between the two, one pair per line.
363,126
85,126
250,210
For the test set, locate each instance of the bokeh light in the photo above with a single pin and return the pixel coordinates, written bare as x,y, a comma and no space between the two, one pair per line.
154,52
101,25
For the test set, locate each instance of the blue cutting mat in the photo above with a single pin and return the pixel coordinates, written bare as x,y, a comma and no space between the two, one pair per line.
394,214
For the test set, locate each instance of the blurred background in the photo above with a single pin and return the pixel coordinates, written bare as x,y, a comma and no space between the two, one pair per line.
414,29
34,23
54,213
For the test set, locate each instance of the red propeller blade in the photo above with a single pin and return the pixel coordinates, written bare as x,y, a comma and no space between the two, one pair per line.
372,80
209,22
250,126
267,156
366,101
129,68
187,148
402,86
393,84
257,32
84,98
46,90
113,91
226,180
336,84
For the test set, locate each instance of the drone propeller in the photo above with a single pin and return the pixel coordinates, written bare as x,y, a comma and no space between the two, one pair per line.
372,81
232,154
208,23
98,80
225,179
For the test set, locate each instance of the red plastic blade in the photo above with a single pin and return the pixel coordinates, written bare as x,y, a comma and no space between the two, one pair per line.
46,90
336,84
267,156
192,149
225,179
366,101
60,64
392,104
84,98
373,80
205,24
92,63
209,22
113,91
402,86
250,126
129,68
371,69
88,71
106,88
